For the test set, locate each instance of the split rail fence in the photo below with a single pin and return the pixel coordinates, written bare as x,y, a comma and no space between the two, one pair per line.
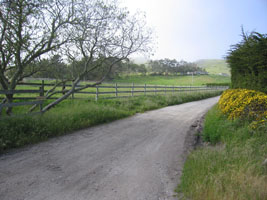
32,96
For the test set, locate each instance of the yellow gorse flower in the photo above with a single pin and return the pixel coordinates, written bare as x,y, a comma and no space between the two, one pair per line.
243,103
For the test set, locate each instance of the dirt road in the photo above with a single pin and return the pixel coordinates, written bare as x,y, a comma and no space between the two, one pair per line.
137,158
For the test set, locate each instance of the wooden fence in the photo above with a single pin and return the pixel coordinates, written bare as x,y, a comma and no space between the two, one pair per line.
147,90
96,92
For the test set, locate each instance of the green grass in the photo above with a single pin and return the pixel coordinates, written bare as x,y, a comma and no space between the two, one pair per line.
173,80
214,66
231,168
73,115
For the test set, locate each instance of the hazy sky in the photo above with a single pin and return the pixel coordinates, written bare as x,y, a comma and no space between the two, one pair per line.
198,29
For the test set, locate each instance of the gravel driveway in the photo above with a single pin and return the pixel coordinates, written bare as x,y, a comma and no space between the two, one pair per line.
137,158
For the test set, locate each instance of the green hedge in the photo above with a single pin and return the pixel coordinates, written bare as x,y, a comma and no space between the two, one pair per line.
248,62
217,84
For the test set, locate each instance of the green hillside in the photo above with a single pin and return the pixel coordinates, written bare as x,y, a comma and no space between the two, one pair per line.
214,66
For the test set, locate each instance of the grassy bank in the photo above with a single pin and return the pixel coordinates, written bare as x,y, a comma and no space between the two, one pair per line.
72,115
232,167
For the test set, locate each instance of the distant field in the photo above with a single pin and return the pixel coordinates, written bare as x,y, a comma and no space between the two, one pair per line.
214,66
174,80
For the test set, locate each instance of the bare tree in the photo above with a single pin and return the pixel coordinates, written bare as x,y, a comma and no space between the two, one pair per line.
28,30
104,34
97,31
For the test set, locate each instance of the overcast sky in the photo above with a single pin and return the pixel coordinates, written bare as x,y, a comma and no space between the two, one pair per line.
200,29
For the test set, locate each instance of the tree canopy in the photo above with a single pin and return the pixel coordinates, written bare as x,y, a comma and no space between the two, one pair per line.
248,62
98,32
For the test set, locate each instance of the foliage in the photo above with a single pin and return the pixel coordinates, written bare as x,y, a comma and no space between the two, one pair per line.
53,67
71,115
244,104
120,69
30,29
98,33
233,168
218,84
210,132
248,62
172,67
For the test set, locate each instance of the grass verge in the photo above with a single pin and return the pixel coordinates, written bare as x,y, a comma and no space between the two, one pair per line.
72,115
232,167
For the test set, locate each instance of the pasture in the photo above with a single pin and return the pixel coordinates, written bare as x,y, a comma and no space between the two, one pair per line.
198,80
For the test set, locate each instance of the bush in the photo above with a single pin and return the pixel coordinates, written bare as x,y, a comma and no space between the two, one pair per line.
218,84
244,104
248,62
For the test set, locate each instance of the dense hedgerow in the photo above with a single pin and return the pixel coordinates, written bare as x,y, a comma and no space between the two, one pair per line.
218,84
248,63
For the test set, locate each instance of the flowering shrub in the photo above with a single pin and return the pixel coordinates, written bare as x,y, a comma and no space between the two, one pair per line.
243,103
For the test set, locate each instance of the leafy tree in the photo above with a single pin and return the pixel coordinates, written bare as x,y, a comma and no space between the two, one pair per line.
167,66
248,62
28,30
94,32
53,68
104,35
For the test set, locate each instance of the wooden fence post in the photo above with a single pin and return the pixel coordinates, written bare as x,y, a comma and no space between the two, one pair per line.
42,89
189,91
173,90
165,90
63,88
41,95
96,94
116,90
155,90
0,110
72,95
132,90
145,90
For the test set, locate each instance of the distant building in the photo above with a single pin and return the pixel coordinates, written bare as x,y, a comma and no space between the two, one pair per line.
197,73
223,74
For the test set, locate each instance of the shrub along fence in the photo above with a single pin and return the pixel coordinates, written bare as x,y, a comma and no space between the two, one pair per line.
248,62
23,97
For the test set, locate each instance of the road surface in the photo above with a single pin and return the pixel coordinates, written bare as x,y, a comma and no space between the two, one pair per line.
137,158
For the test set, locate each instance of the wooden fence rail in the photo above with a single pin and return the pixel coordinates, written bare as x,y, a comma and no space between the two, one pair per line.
19,91
100,91
40,103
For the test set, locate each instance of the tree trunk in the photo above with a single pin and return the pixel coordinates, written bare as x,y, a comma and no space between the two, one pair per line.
9,98
65,96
